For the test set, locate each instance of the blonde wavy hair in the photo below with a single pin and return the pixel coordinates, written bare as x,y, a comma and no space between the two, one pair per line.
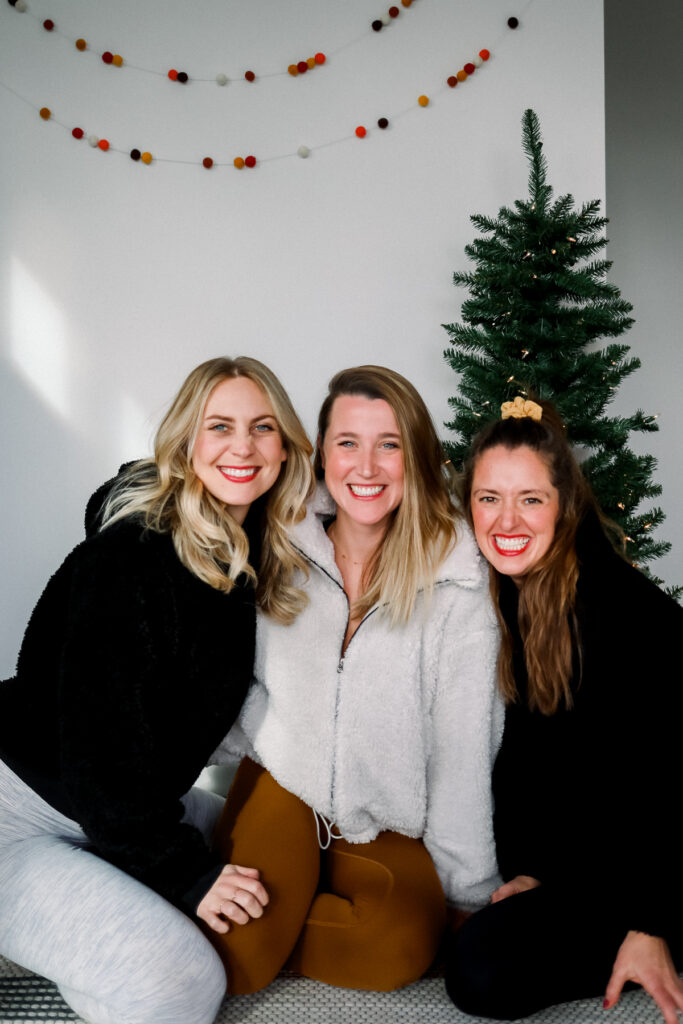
547,592
170,498
423,528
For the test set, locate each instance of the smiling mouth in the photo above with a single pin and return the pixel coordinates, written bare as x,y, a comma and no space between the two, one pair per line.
510,545
366,492
239,474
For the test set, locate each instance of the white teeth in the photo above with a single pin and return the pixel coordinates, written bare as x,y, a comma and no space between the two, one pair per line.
233,471
512,543
366,492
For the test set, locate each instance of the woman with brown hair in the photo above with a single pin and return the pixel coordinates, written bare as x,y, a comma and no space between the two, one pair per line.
586,777
135,663
373,721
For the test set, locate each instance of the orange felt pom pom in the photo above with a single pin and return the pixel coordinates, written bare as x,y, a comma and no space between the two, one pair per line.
461,75
146,158
45,113
310,61
361,132
320,58
104,145
484,54
117,60
423,100
238,162
81,44
293,70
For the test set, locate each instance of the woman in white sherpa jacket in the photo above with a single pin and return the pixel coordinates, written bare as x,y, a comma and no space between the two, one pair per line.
373,721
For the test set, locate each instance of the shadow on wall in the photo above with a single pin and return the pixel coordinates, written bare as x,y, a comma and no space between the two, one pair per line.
43,513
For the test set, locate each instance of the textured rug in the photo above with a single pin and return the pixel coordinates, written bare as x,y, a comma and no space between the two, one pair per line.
291,1000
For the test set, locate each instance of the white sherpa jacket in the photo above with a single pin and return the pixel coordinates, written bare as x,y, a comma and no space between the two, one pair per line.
400,732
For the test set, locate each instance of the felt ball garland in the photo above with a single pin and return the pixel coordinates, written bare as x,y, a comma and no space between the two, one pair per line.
108,57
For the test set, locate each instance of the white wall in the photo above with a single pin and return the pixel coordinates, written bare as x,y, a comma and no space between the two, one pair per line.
644,145
117,278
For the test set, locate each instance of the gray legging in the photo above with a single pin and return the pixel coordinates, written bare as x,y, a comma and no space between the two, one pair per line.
118,951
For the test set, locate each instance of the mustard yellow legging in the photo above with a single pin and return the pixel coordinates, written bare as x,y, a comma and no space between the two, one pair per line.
365,916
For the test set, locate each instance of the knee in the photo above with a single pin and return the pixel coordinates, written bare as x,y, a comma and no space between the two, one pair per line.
184,992
477,981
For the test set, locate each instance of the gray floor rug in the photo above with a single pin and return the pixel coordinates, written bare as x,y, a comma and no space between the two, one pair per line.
291,1000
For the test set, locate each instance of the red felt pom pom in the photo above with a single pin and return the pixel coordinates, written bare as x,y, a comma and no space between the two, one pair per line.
302,67
107,57
183,76
77,133
48,24
320,58
470,68
250,161
484,54
452,81
135,154
173,74
207,162
103,144
393,12
377,25
361,132
249,75
513,22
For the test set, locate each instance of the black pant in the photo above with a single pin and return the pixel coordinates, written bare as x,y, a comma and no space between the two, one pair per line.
531,951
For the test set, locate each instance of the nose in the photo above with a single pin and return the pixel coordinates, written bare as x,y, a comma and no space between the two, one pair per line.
242,443
508,516
367,464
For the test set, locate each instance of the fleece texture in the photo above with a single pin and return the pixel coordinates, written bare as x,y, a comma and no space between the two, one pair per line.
398,733
130,672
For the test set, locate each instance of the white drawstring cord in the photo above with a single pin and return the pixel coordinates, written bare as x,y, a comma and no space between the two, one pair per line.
320,819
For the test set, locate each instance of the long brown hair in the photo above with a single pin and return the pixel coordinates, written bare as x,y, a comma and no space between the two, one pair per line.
422,530
170,497
547,593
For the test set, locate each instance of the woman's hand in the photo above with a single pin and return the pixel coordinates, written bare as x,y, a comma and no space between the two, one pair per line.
520,883
236,894
646,960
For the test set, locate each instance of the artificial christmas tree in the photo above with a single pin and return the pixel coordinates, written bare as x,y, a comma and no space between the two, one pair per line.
539,302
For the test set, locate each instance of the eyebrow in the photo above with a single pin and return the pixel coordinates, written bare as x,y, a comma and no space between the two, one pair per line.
529,490
350,433
231,419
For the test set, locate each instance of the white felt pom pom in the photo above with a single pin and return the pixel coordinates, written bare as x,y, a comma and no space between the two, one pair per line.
222,79
93,140
303,151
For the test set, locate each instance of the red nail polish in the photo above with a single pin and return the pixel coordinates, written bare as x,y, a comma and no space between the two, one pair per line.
605,1004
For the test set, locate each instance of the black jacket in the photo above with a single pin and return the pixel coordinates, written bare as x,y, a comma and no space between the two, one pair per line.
588,799
131,672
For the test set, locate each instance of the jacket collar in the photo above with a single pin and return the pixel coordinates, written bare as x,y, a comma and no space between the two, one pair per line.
463,565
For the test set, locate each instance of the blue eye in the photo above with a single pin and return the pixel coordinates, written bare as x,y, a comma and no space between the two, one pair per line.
264,428
219,428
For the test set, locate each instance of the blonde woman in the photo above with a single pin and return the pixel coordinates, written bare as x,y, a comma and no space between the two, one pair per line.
135,663
374,720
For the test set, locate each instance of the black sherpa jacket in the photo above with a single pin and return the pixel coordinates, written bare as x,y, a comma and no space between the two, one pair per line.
586,799
131,672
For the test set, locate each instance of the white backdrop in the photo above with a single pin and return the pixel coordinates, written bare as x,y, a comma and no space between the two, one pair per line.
116,278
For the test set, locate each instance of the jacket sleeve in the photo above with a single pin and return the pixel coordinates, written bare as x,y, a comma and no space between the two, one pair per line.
466,724
122,695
